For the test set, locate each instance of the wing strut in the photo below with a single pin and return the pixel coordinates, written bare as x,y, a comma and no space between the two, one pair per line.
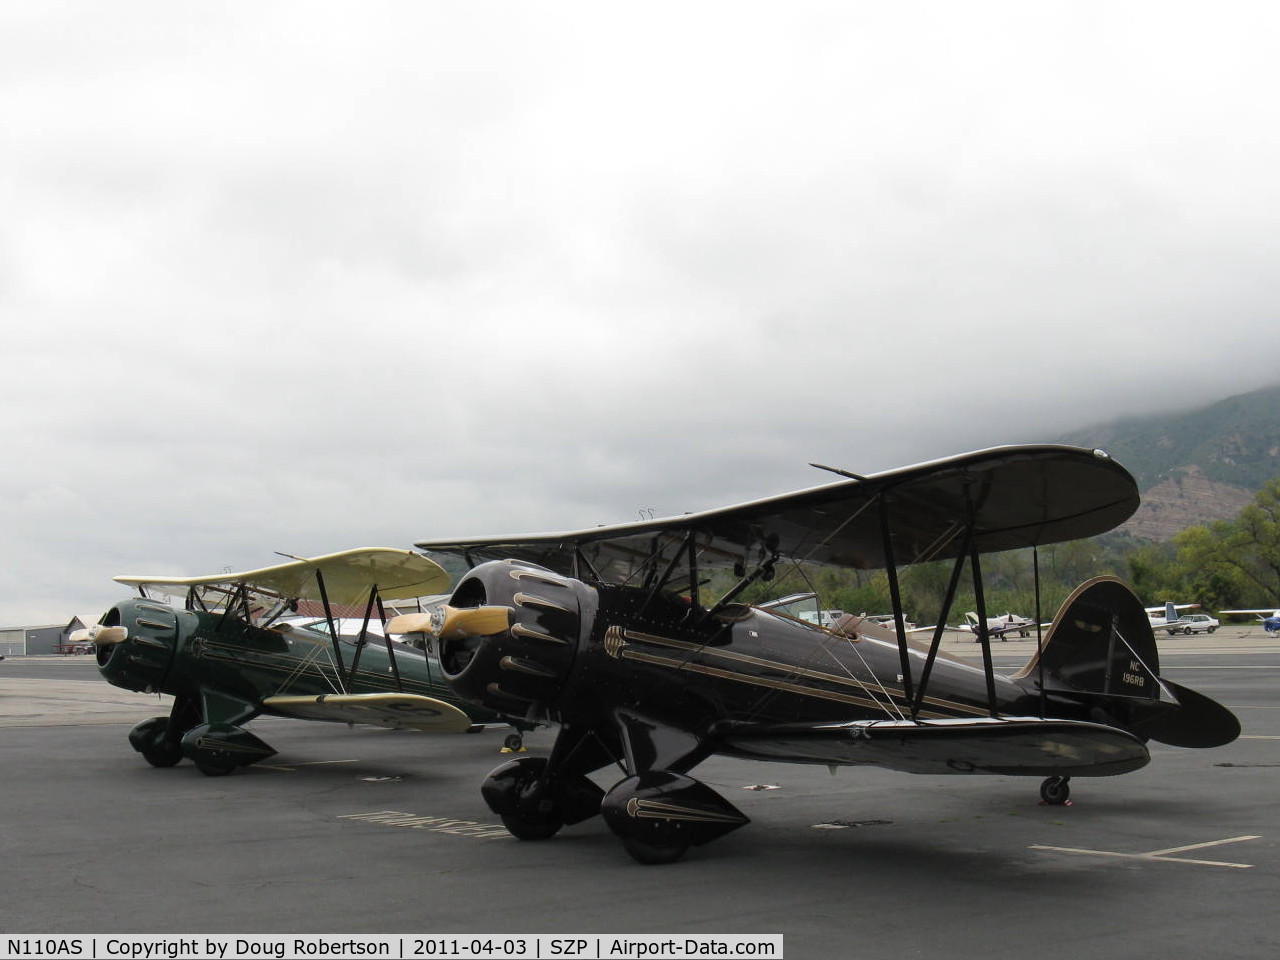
984,637
693,571
661,581
363,637
391,651
764,569
953,584
581,564
1035,566
895,599
333,631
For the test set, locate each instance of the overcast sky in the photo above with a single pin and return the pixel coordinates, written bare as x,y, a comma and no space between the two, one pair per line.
302,276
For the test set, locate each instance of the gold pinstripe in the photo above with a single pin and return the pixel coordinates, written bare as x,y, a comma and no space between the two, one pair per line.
897,693
295,668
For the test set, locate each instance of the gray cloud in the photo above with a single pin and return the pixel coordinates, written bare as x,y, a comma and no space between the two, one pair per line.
302,277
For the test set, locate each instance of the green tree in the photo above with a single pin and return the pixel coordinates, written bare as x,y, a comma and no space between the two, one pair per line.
1230,562
1155,574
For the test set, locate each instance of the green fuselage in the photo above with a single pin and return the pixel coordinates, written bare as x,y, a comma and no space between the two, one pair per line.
230,666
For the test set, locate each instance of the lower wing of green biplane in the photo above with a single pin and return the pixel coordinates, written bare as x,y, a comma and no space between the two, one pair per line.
397,711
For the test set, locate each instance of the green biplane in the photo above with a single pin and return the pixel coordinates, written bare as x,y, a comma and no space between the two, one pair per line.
240,649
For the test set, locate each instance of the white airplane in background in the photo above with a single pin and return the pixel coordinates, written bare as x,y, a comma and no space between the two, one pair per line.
1168,619
1167,615
999,626
1270,619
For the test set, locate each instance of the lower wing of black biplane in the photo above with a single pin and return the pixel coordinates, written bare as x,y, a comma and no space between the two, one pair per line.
1004,746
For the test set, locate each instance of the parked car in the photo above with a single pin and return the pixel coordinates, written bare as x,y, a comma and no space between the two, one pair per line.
1193,623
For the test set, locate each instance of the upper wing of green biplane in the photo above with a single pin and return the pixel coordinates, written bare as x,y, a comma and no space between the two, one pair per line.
347,576
1011,497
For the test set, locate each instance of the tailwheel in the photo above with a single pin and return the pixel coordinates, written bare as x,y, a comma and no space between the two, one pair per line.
514,743
1055,791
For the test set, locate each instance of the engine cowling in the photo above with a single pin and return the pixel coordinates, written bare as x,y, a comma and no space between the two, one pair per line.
152,632
528,664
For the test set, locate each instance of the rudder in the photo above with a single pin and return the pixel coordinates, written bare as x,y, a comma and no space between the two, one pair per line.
1101,652
1100,642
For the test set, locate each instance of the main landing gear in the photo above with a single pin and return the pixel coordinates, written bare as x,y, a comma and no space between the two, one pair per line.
533,805
152,739
215,748
657,812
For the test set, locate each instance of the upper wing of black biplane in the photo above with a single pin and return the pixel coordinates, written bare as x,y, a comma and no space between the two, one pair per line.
1016,496
347,577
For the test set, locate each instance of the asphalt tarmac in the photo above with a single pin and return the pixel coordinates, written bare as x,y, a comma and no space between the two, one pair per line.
354,830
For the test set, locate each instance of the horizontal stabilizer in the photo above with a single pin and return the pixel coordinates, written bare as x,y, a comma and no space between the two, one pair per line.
1015,746
399,711
1193,721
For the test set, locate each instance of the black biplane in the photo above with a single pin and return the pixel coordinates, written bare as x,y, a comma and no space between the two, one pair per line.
607,633
239,649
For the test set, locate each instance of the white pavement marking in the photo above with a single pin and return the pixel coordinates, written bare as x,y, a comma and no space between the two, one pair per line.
1161,854
292,767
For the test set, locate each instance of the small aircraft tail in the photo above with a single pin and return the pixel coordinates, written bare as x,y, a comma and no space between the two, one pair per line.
1100,652
1170,612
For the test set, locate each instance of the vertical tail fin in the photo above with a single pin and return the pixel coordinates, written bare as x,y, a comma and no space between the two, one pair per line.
1100,642
1101,652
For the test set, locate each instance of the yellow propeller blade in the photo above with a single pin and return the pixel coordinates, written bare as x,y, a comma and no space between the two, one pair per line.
449,623
410,623
100,635
473,621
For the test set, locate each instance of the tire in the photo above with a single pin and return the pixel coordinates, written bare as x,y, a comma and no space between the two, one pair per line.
652,854
523,829
1055,791
1187,631
214,769
505,791
163,754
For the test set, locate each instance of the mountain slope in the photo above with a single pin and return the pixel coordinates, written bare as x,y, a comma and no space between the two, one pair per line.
1197,466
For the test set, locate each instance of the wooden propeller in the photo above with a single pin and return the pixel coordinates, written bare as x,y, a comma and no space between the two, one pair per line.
450,623
102,636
